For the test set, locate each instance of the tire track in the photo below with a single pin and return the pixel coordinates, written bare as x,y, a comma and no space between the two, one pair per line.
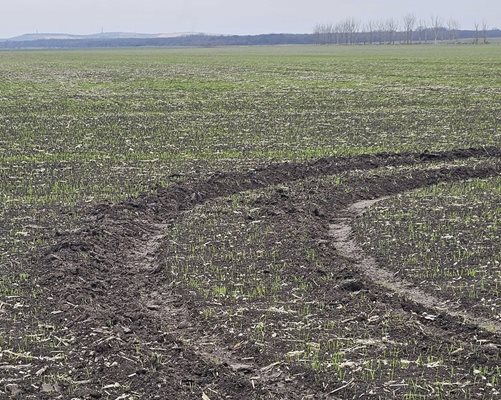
112,262
212,349
342,234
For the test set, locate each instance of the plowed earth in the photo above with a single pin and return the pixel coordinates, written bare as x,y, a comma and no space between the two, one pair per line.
125,309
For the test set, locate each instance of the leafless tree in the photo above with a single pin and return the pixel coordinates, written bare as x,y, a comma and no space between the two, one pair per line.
370,28
409,22
350,31
318,34
484,30
353,29
450,29
381,28
391,26
423,31
338,33
453,29
329,32
343,32
436,24
324,33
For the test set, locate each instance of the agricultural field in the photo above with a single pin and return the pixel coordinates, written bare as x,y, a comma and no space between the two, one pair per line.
446,237
251,223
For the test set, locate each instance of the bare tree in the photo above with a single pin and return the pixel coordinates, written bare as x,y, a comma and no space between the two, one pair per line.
450,29
391,28
338,33
353,27
436,24
453,29
484,30
317,31
370,27
329,33
343,31
409,22
381,29
323,33
423,31
348,30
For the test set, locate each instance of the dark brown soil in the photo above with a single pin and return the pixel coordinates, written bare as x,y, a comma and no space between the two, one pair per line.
129,333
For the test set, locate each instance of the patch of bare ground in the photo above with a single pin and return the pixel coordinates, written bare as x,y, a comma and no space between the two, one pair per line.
130,311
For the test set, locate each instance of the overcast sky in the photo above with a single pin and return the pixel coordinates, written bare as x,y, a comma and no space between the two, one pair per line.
222,16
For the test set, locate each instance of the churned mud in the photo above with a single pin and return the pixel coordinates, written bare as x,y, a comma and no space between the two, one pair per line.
130,333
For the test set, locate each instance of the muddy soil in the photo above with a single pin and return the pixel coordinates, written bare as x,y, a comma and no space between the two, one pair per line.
129,334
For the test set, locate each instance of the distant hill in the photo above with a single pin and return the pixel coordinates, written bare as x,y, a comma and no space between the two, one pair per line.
110,40
97,36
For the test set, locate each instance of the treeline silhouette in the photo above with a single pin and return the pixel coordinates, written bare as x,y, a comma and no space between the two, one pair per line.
180,41
330,37
408,30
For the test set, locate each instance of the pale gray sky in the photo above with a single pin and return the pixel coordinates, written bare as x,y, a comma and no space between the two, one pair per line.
222,16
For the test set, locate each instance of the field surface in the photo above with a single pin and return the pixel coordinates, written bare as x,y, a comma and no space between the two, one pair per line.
251,223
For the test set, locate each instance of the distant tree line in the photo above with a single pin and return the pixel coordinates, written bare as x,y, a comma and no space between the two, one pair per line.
197,40
348,32
408,30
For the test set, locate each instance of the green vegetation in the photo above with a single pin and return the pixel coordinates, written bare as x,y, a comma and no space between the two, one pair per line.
446,237
233,258
87,126
95,125
255,269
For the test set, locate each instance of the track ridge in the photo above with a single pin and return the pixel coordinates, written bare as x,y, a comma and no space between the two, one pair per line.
134,217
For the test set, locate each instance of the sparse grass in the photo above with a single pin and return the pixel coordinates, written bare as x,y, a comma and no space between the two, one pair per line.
446,237
139,116
239,253
87,126
82,127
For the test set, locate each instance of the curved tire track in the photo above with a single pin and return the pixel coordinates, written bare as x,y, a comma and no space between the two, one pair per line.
111,260
342,233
